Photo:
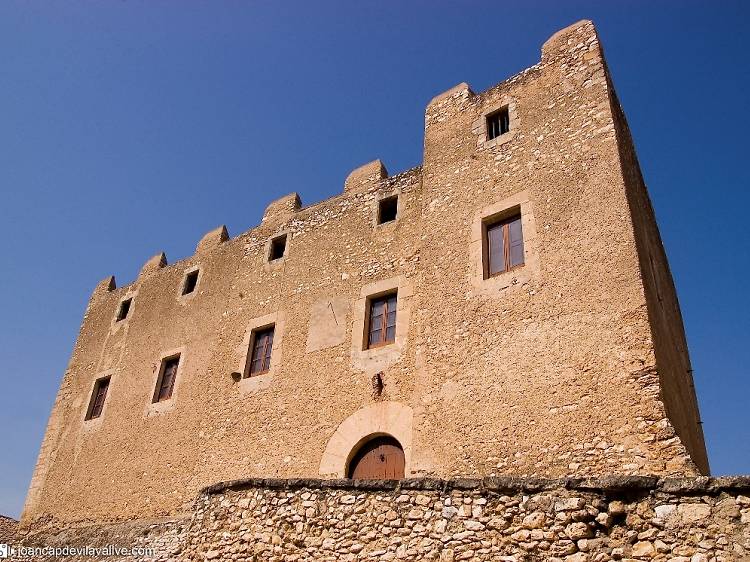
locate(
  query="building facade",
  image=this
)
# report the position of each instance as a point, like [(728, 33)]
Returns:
[(506, 308)]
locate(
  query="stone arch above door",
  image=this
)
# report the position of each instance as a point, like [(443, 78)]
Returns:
[(382, 418)]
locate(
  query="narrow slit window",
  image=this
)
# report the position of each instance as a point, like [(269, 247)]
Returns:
[(98, 396), (124, 309), (387, 209), (260, 352), (191, 281), (503, 246), (381, 326), (167, 376), (498, 123), (278, 247)]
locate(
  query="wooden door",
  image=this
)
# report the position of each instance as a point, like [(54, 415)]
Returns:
[(381, 458)]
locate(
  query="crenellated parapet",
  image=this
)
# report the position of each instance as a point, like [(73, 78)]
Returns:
[(282, 209), (154, 264), (370, 176), (560, 44), (212, 239), (364, 177)]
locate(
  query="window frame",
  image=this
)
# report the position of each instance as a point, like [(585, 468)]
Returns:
[(91, 413), (390, 200), (123, 309), (274, 243), (369, 305), (502, 116), (267, 354), (193, 274), (503, 221), (160, 379)]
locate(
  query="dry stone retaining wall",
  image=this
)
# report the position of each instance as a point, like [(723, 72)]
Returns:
[(499, 519), (7, 528)]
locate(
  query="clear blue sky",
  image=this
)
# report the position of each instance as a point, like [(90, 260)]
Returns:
[(130, 127)]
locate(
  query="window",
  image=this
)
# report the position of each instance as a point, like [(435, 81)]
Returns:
[(260, 347), (122, 312), (498, 123), (191, 280), (387, 209), (167, 376), (278, 247), (503, 245), (96, 404), (381, 325)]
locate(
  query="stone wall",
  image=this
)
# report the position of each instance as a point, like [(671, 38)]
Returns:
[(670, 344), (145, 540), (8, 528), (494, 519)]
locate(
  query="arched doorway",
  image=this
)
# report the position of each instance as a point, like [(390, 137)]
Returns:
[(379, 418), (380, 458)]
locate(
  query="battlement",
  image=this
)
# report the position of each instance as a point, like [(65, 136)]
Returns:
[(373, 174), (280, 211), (503, 309)]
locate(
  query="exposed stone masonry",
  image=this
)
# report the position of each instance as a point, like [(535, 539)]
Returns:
[(7, 528), (493, 519)]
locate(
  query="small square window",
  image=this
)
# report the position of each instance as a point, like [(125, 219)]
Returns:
[(278, 247), (166, 380), (124, 310), (261, 345), (503, 245), (191, 280), (381, 320), (387, 209), (498, 123), (98, 396)]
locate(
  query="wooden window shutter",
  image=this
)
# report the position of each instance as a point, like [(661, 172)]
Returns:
[(167, 379), (503, 246), (382, 321), (98, 396), (260, 356), (515, 243), (390, 319), (495, 249)]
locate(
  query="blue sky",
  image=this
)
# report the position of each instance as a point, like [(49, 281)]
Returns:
[(130, 127)]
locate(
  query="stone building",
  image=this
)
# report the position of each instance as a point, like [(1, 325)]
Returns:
[(503, 309)]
